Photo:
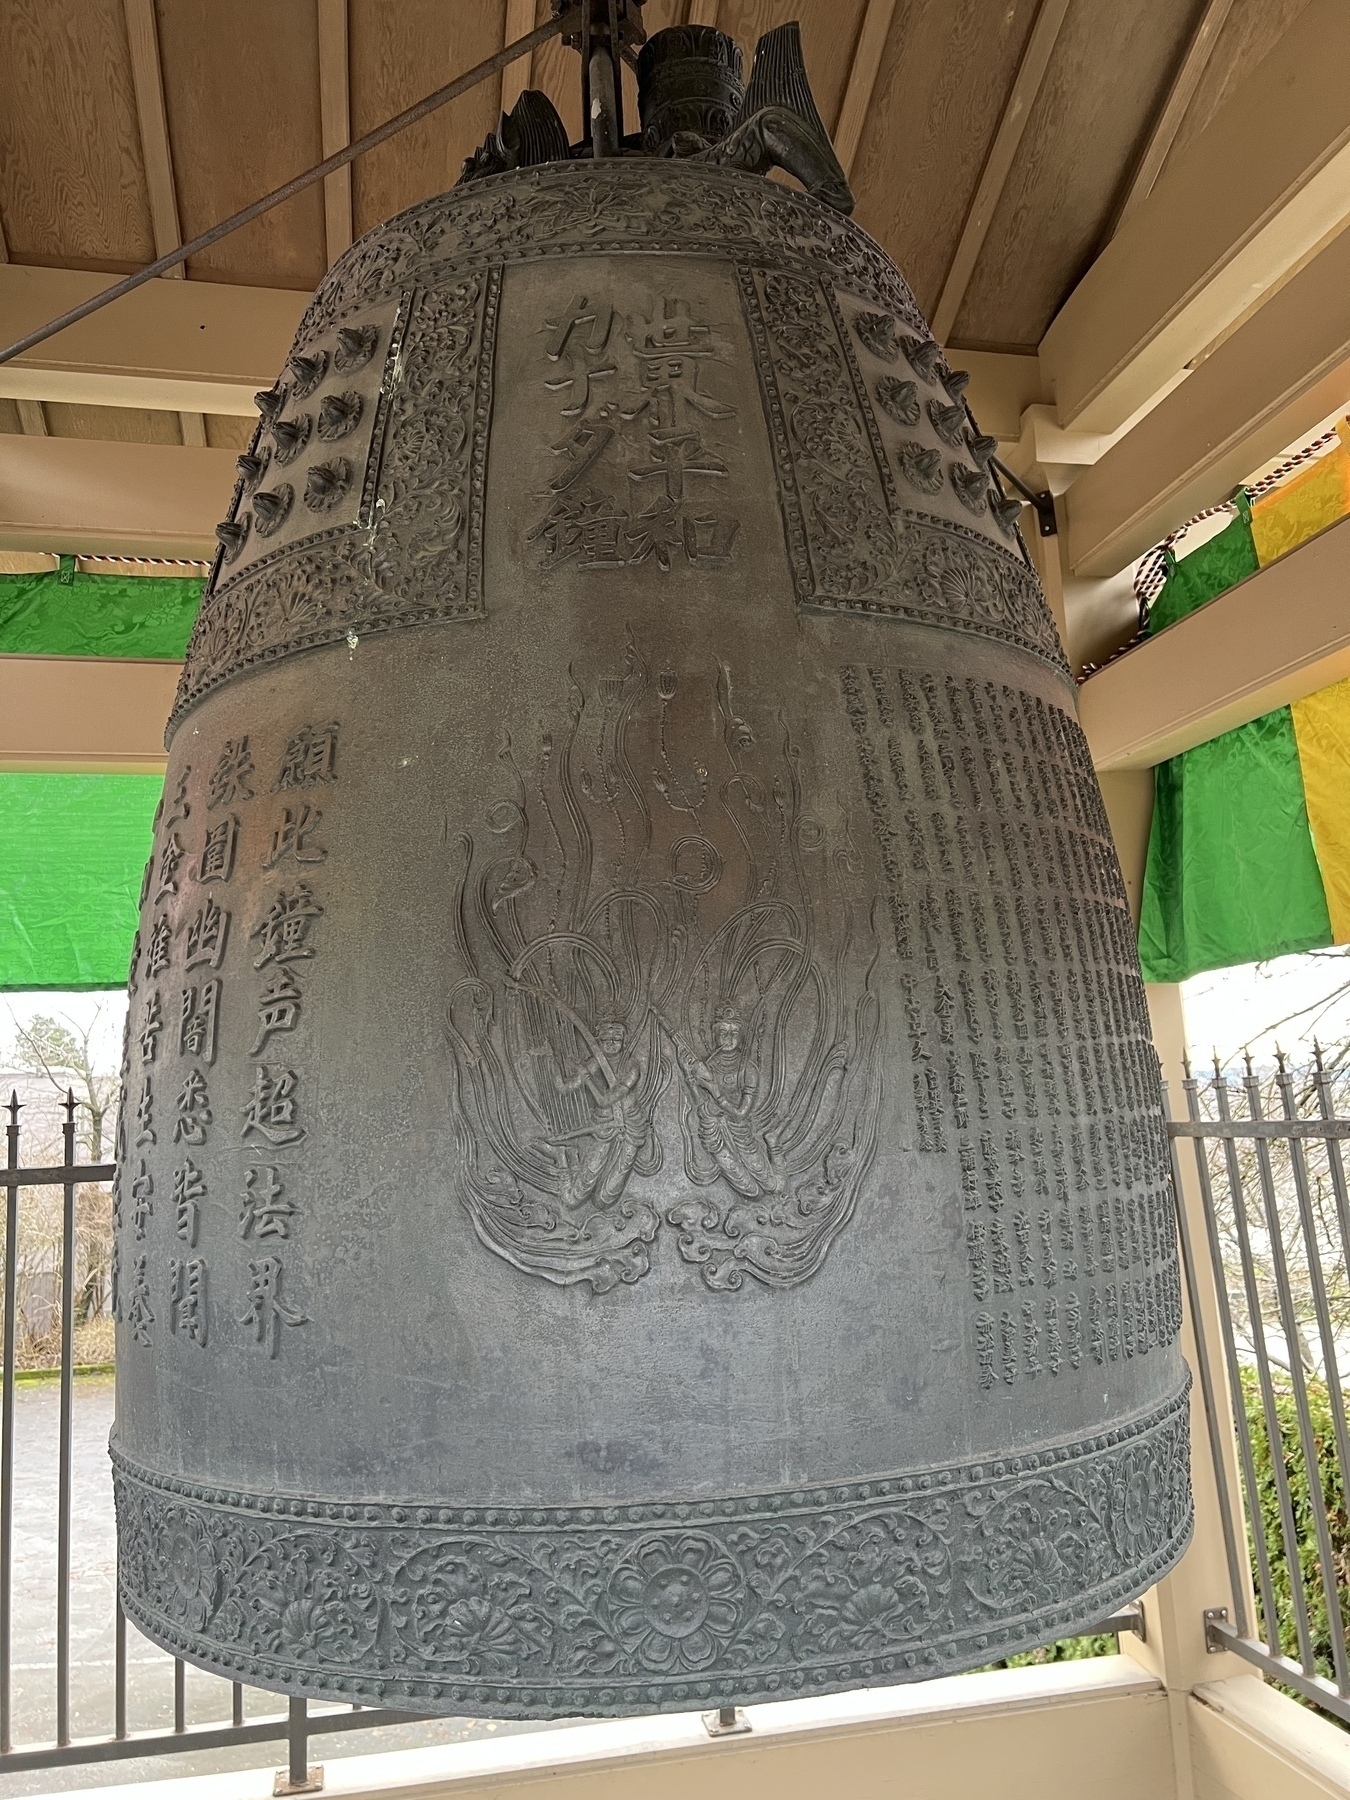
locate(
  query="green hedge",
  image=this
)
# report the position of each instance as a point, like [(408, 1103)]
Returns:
[(1310, 1568), (1333, 1494)]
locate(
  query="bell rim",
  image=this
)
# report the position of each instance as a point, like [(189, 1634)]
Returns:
[(211, 1525)]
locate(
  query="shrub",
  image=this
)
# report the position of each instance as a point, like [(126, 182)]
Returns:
[(1309, 1571)]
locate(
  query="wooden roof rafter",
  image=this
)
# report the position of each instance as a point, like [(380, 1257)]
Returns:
[(32, 419), (516, 76), (998, 164), (862, 79), (1163, 135), (336, 118), (174, 257), (148, 76), (1207, 248)]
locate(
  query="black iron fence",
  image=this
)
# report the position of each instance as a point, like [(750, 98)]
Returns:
[(296, 1724), (1268, 1155), (1276, 1222)]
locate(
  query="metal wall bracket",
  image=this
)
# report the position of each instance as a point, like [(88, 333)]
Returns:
[(1043, 503), (727, 1721), (1215, 1641), (1126, 1620)]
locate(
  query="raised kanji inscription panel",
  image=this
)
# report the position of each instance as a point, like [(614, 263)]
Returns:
[(635, 413), (210, 1178), (1029, 1055)]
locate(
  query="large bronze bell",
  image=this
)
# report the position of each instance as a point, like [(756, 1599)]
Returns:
[(642, 1180)]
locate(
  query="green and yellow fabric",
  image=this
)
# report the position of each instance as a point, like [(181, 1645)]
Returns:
[(1249, 854), (72, 847), (68, 612), (1305, 504)]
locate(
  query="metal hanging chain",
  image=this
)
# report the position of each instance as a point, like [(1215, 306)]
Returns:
[(412, 115)]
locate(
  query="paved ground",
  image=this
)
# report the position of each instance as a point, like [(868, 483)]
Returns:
[(150, 1671)]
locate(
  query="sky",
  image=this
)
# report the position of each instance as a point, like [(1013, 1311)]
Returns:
[(1287, 1002), (104, 1012), (1283, 1004)]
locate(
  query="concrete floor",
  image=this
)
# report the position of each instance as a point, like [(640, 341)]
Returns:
[(150, 1671)]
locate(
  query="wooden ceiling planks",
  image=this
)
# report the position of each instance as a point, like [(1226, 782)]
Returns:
[(556, 72), (919, 161), (1110, 68), (72, 182), (398, 54), (242, 86), (113, 424), (131, 425), (225, 431), (829, 36), (1251, 30), (517, 76), (1167, 120), (241, 89)]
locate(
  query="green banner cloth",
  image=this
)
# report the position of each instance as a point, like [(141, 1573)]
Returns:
[(68, 613), (1228, 557), (1232, 876), (72, 849)]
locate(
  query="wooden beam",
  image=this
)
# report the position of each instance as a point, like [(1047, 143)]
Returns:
[(79, 715), (32, 419), (1174, 109), (83, 496), (1276, 378), (1016, 112), (701, 12), (516, 76), (1241, 206), (1247, 1738), (335, 122), (1127, 795), (1002, 386), (196, 346), (148, 78), (862, 78), (1272, 639)]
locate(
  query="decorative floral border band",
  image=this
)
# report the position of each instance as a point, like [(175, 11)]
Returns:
[(550, 1611)]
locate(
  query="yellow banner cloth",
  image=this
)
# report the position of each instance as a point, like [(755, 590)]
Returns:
[(1322, 732), (1304, 505)]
